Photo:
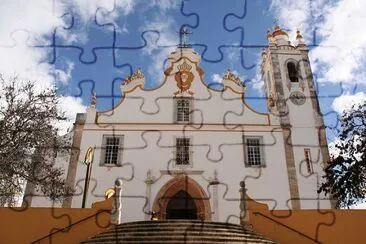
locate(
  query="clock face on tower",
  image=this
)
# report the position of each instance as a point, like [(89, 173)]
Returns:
[(297, 98)]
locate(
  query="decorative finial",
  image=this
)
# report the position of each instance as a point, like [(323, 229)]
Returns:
[(269, 34), (298, 35), (215, 180), (300, 42), (278, 31), (93, 102), (264, 54), (242, 184), (118, 183), (149, 178)]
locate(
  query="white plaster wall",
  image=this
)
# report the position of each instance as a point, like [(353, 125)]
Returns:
[(145, 119), (304, 135), (157, 106), (268, 185)]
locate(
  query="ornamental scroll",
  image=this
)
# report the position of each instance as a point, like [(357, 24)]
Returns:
[(136, 79), (233, 82)]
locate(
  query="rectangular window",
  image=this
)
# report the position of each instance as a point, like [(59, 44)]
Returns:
[(182, 151), (183, 106), (253, 151), (111, 150), (309, 165)]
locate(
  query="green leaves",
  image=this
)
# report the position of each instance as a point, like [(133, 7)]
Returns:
[(345, 175)]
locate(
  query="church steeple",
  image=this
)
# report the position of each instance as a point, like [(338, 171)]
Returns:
[(293, 102), (284, 69)]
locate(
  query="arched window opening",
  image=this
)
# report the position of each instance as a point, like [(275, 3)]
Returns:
[(292, 72)]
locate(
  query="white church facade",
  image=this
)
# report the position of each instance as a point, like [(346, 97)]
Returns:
[(181, 149)]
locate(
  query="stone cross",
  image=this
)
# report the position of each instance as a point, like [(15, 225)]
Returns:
[(183, 34)]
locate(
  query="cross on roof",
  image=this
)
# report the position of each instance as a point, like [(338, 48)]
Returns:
[(183, 36)]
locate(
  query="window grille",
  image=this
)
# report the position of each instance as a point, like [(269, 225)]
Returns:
[(309, 165), (253, 151), (182, 110), (111, 150), (182, 151)]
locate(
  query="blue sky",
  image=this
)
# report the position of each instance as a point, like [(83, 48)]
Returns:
[(213, 35), (83, 46)]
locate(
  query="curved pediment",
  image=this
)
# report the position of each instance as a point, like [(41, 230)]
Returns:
[(183, 79)]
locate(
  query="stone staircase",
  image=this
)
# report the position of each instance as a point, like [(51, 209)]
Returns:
[(178, 231)]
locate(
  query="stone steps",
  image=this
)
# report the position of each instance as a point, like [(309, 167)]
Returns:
[(178, 231), (178, 228), (186, 235)]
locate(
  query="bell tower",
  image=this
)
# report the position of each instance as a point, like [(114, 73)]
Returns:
[(292, 100)]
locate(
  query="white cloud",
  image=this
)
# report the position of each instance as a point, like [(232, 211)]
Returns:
[(257, 82), (345, 102), (26, 23), (166, 26), (233, 53), (164, 5), (74, 106), (216, 78), (292, 15), (341, 30), (340, 56), (64, 75), (22, 24), (113, 8)]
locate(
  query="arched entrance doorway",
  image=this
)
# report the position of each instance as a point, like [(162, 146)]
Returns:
[(181, 206), (182, 198)]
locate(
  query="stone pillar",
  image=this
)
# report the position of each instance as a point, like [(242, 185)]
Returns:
[(244, 213), (215, 197), (75, 151), (28, 195), (149, 181), (116, 214)]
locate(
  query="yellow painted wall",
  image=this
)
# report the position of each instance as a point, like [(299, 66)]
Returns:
[(333, 226), (325, 226), (18, 226)]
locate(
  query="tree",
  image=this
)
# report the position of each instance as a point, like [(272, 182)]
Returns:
[(29, 141), (345, 175)]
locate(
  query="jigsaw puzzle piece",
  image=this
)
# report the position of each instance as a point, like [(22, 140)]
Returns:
[(201, 20)]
